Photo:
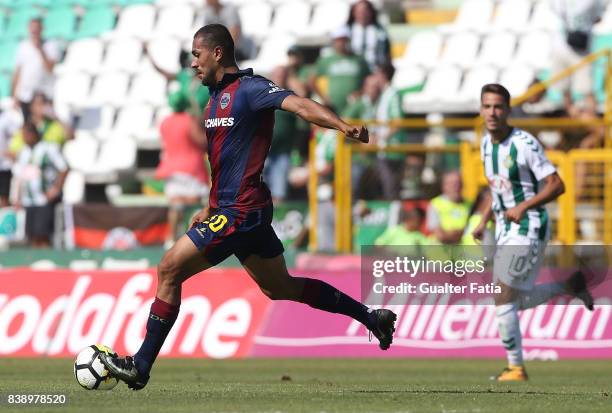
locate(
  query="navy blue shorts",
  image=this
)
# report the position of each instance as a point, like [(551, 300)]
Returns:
[(225, 233)]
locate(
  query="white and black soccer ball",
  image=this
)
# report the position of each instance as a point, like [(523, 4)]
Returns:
[(89, 371)]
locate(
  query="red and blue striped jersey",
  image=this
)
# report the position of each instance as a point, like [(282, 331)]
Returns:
[(238, 121)]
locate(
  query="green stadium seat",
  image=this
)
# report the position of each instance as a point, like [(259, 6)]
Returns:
[(32, 3), (18, 22), (96, 21), (3, 20), (5, 85), (82, 3), (130, 2), (60, 23), (8, 52), (601, 41)]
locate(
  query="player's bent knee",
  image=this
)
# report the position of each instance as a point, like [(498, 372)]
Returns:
[(168, 270)]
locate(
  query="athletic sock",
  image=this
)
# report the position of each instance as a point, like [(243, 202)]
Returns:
[(319, 294), (510, 332), (539, 294), (159, 324)]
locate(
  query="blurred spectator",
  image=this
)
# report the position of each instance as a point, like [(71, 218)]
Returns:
[(447, 214), (183, 147), (324, 164), (10, 121), (50, 129), (344, 71), (227, 15), (34, 64), (390, 165), (368, 38), (189, 84), (572, 43), (299, 72), (40, 171), (482, 201), (363, 108), (408, 232), (277, 165)]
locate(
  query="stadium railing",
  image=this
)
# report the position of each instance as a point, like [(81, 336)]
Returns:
[(591, 205)]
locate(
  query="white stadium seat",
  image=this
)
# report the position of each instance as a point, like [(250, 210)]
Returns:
[(423, 49), (148, 87), (176, 21), (543, 18), (133, 120), (273, 52), (123, 54), (441, 86), (135, 21), (74, 187), (472, 15), (83, 55), (255, 17), (110, 88), (408, 77), (474, 80), (497, 49), (534, 49), (81, 154), (72, 89), (328, 16), (291, 17), (460, 49), (165, 53), (96, 121), (512, 15), (118, 154), (517, 79)]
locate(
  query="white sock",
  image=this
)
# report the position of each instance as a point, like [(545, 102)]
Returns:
[(510, 332), (539, 294)]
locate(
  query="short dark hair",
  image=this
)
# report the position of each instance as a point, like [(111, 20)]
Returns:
[(417, 212), (497, 89), (387, 70), (217, 35)]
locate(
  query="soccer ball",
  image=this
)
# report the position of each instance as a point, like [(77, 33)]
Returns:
[(89, 371)]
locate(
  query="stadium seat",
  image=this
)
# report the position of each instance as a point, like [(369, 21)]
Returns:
[(517, 79), (72, 89), (132, 2), (474, 80), (534, 49), (8, 53), (176, 21), (273, 52), (255, 18), (96, 21), (328, 16), (543, 18), (423, 49), (497, 50), (472, 15), (122, 54), (83, 55), (18, 22), (60, 23), (74, 188), (512, 15), (291, 17), (441, 85), (82, 3), (3, 21), (134, 120), (110, 89), (97, 121), (148, 87), (136, 21), (117, 154), (81, 154), (33, 3), (408, 77), (460, 49), (165, 52)]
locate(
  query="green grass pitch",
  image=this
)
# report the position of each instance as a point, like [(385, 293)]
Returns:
[(323, 385)]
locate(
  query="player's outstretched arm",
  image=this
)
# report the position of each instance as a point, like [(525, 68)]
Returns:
[(313, 112), (552, 189)]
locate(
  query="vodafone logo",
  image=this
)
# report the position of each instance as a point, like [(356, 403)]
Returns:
[(86, 315)]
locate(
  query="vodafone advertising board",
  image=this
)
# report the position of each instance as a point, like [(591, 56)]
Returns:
[(57, 313), (224, 314)]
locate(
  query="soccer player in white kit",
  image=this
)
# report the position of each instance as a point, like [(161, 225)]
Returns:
[(522, 180)]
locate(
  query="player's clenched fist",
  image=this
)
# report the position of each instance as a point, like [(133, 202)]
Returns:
[(359, 134), (200, 216)]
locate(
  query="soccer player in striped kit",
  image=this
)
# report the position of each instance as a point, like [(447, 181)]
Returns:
[(522, 181), (238, 121)]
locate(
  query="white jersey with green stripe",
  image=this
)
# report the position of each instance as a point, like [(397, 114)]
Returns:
[(513, 169)]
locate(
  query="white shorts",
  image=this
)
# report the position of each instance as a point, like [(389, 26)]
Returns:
[(183, 185), (518, 260)]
